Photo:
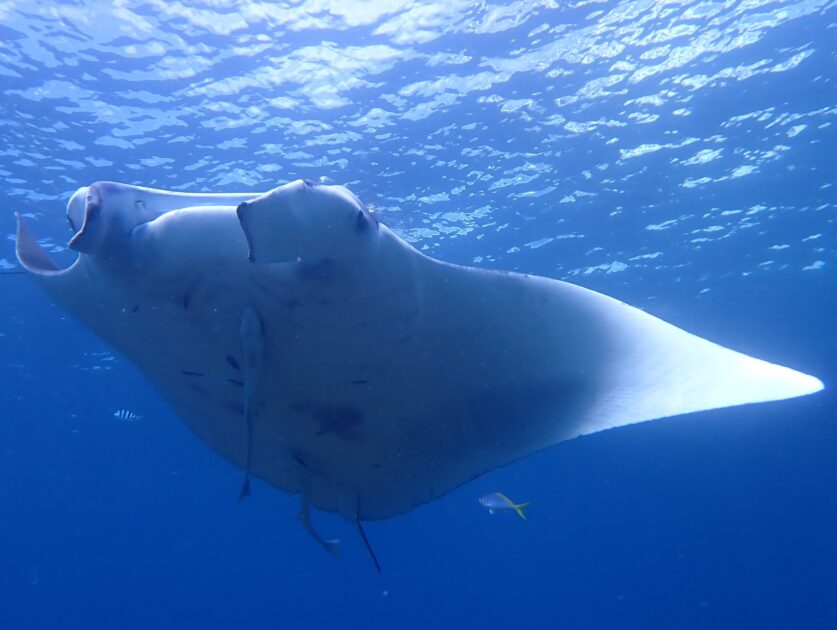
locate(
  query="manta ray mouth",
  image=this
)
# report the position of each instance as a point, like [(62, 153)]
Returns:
[(76, 207), (91, 234)]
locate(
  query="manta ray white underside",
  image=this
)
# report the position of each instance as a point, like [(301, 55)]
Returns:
[(309, 344)]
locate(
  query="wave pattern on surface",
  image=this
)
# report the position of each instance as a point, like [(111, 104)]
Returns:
[(623, 138)]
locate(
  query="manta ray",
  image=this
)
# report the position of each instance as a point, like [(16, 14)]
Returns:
[(314, 348)]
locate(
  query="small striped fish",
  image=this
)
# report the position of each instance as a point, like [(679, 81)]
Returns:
[(126, 415)]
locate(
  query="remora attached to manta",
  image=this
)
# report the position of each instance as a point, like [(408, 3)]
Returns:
[(310, 345)]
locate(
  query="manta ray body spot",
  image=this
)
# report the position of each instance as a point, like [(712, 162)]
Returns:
[(322, 270), (198, 388), (235, 407), (299, 459), (339, 421)]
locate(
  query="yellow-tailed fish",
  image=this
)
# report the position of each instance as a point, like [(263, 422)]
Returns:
[(499, 502)]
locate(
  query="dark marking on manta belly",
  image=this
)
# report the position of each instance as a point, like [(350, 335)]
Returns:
[(190, 373), (235, 382), (360, 381), (531, 407), (231, 360), (275, 289), (135, 309), (186, 300), (341, 421), (198, 389), (302, 462), (394, 318), (322, 270), (235, 407)]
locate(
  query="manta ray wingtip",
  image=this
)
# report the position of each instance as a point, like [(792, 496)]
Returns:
[(813, 384)]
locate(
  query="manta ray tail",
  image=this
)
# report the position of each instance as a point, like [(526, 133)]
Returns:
[(365, 540), (252, 349)]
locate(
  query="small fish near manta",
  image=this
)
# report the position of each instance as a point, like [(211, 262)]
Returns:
[(126, 415), (287, 329), (499, 502)]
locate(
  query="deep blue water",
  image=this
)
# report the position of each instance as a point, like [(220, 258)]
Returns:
[(676, 155)]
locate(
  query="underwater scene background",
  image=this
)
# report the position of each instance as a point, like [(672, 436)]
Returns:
[(676, 155)]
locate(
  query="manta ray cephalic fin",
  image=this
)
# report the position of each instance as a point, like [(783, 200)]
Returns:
[(252, 349)]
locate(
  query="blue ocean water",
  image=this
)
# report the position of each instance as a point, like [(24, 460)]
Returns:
[(677, 155)]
